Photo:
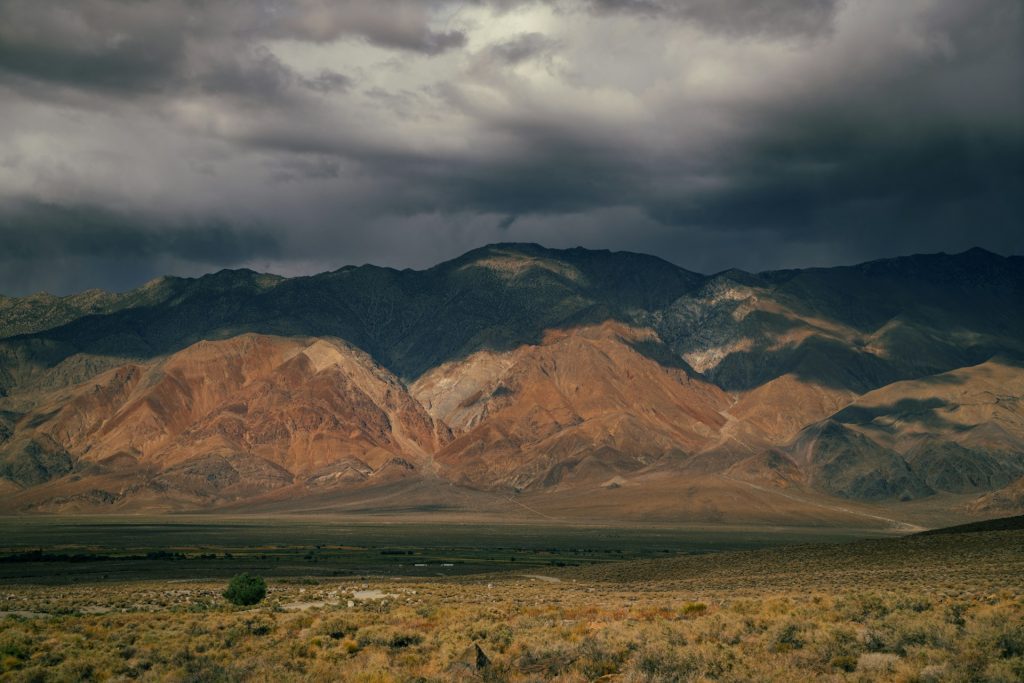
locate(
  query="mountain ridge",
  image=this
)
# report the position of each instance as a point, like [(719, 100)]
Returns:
[(780, 272), (545, 373)]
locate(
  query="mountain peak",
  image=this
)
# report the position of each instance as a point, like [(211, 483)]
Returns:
[(979, 251), (239, 277)]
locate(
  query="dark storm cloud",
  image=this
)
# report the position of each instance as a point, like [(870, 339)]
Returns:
[(734, 17), (36, 230), (712, 132), (301, 168), (160, 45), (823, 186), (928, 150), (328, 81), (924, 150), (62, 244), (248, 71)]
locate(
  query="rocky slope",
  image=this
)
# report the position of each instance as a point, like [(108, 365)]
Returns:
[(223, 420), (572, 378), (584, 404)]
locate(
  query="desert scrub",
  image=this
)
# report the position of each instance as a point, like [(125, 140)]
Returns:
[(548, 660), (788, 636), (660, 662), (690, 610), (16, 646), (991, 647), (500, 637), (245, 589), (862, 607), (337, 627), (836, 648), (388, 637), (776, 627), (602, 656)]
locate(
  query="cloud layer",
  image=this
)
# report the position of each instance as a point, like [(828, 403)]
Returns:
[(176, 136)]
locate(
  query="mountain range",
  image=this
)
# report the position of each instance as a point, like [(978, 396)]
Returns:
[(518, 380)]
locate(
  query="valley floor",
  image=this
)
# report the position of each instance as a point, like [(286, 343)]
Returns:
[(940, 607)]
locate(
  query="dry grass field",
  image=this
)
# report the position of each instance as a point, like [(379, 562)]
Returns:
[(942, 607)]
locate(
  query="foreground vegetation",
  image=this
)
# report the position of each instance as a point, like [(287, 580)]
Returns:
[(927, 608)]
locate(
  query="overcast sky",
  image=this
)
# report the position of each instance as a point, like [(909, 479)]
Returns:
[(182, 136)]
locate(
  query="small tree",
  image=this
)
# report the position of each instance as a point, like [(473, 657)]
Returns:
[(246, 590)]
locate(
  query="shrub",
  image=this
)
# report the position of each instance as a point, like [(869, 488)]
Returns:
[(914, 604), (877, 662), (788, 638), (245, 589), (338, 628), (838, 648), (599, 657), (547, 661), (15, 642), (955, 614), (259, 626), (501, 637), (387, 637), (844, 662), (933, 673), (693, 609), (863, 607), (660, 663), (1009, 641)]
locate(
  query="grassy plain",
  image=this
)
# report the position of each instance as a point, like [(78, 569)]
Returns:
[(942, 607), (123, 548)]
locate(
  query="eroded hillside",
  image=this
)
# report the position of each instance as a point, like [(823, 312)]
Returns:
[(572, 383)]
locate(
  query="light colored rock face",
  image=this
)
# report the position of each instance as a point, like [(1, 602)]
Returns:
[(509, 265), (776, 411), (583, 399), (456, 393)]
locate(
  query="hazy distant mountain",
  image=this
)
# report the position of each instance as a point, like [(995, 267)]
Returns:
[(586, 383)]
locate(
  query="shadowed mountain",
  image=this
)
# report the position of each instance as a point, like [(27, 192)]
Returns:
[(855, 328), (1008, 499), (844, 463), (496, 297), (958, 432)]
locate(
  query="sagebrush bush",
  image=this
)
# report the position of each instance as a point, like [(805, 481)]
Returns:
[(693, 609), (246, 589)]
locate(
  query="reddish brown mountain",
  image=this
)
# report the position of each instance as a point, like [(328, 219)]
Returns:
[(564, 384), (585, 403), (223, 420)]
